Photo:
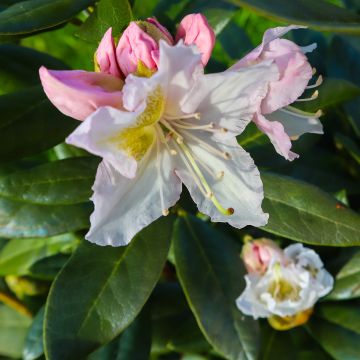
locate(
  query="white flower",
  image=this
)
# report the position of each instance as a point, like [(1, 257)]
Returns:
[(178, 126), (286, 289)]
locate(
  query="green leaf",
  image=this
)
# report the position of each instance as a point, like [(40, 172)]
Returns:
[(346, 315), (318, 15), (33, 348), (19, 66), (347, 282), (103, 288), (211, 273), (18, 255), (13, 329), (34, 15), (63, 182), (108, 13), (133, 343), (49, 267), (339, 342), (304, 213), (29, 124), (344, 142)]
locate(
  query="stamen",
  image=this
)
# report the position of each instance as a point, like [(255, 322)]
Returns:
[(301, 114), (312, 97), (164, 140), (202, 179), (208, 147), (313, 71), (183, 125), (172, 130), (317, 83), (196, 116)]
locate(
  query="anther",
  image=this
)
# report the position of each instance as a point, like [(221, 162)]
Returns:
[(319, 113), (173, 152), (317, 83), (226, 155), (180, 140), (165, 212), (220, 175), (224, 130), (313, 71), (312, 97), (230, 211), (197, 116)]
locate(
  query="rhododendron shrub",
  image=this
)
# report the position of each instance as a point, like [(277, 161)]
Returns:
[(178, 180)]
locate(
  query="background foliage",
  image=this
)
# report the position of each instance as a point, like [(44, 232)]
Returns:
[(170, 293)]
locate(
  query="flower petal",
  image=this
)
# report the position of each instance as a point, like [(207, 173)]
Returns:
[(79, 93), (195, 29), (106, 57), (230, 99), (162, 28), (277, 135), (123, 207), (235, 182), (98, 135)]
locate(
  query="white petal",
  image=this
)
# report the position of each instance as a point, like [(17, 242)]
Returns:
[(125, 206), (240, 187), (230, 99), (95, 134), (294, 124)]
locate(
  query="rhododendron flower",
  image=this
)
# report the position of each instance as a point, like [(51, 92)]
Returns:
[(177, 126), (287, 287), (139, 44), (279, 121), (258, 254)]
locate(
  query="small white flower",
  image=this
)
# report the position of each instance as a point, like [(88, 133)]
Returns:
[(286, 288)]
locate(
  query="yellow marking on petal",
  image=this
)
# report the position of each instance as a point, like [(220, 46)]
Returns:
[(136, 140), (289, 322), (96, 64), (143, 71)]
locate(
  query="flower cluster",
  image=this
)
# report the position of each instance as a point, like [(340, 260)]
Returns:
[(158, 121), (282, 283)]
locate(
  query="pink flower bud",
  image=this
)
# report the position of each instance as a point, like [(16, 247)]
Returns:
[(258, 254), (195, 29)]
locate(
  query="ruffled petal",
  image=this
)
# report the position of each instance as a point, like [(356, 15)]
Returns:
[(79, 93), (230, 99), (277, 135), (106, 56), (99, 134), (123, 207), (235, 182), (195, 29)]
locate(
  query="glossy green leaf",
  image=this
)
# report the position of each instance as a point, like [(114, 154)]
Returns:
[(108, 13), (29, 124), (347, 281), (19, 66), (346, 314), (47, 268), (33, 347), (133, 343), (340, 343), (103, 288), (18, 255), (211, 273), (318, 14), (13, 330), (305, 213), (34, 15), (63, 182)]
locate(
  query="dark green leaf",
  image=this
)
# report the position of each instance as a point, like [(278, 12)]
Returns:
[(347, 282), (344, 142), (318, 14), (339, 342), (29, 124), (48, 268), (33, 15), (18, 255), (63, 182), (304, 213), (108, 13), (19, 66), (13, 330), (346, 315), (103, 288), (33, 348), (211, 273)]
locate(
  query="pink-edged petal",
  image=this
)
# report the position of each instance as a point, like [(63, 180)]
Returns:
[(234, 181), (106, 56), (79, 93), (123, 207), (295, 72), (98, 135), (230, 99), (195, 29), (162, 28), (136, 45), (277, 135)]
